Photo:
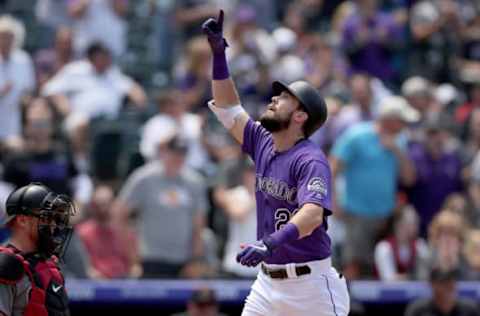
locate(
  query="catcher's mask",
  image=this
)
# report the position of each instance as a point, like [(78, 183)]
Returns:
[(53, 211)]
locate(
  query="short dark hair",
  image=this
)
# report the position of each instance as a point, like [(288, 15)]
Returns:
[(438, 274), (96, 48), (177, 144), (204, 296)]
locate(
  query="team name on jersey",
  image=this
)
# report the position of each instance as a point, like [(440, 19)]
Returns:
[(277, 189)]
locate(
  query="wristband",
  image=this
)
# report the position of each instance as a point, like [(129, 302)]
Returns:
[(220, 67), (286, 234)]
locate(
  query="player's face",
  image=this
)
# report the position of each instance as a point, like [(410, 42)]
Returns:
[(278, 115)]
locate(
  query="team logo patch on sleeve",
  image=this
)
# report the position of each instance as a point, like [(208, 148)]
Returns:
[(317, 185)]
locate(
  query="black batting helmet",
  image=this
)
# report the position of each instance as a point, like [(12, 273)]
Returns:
[(309, 98)]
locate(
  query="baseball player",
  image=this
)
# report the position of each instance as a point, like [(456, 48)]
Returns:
[(31, 283), (293, 193)]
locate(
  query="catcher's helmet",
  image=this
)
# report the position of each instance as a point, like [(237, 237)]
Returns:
[(310, 99), (53, 209), (27, 200)]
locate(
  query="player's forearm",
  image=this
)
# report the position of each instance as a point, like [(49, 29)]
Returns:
[(302, 224), (307, 219), (224, 93)]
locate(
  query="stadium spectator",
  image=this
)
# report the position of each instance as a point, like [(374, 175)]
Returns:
[(399, 256), (99, 21), (49, 61), (294, 20), (361, 107), (189, 14), (76, 261), (458, 203), (16, 79), (172, 119), (289, 66), (463, 112), (171, 203), (95, 86), (239, 205), (445, 238), (91, 88), (419, 93), (365, 154), (203, 302), (435, 27), (112, 251), (45, 159), (326, 69), (225, 173), (366, 94), (193, 80), (471, 252), (438, 168), (444, 300), (53, 14), (251, 52), (474, 193), (327, 135), (470, 142), (370, 39), (468, 57)]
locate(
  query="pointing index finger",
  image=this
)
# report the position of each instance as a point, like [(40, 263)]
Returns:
[(220, 18)]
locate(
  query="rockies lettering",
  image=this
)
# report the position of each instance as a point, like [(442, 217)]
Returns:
[(277, 189)]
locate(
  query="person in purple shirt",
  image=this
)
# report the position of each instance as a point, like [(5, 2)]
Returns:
[(370, 39), (293, 194), (438, 168)]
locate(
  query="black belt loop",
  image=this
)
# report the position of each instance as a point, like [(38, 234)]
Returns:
[(282, 273)]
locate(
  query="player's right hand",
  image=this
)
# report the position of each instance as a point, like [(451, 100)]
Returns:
[(253, 254), (213, 28)]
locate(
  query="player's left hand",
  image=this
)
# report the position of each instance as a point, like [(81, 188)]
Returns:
[(253, 254), (213, 28)]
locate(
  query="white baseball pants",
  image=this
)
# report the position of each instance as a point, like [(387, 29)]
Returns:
[(323, 292)]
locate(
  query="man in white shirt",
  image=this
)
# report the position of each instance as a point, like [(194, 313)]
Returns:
[(16, 77), (93, 86)]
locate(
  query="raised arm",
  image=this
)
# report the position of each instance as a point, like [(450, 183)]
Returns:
[(226, 105)]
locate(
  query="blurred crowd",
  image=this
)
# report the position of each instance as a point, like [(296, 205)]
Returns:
[(105, 100)]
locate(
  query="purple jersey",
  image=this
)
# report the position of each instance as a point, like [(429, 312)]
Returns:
[(285, 181)]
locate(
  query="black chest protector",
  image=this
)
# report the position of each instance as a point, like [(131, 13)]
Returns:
[(48, 296)]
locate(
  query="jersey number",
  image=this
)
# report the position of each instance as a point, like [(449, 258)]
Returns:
[(282, 217)]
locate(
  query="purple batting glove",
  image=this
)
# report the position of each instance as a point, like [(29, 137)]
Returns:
[(254, 253), (213, 28)]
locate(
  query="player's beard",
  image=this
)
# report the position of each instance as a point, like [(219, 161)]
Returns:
[(274, 124)]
